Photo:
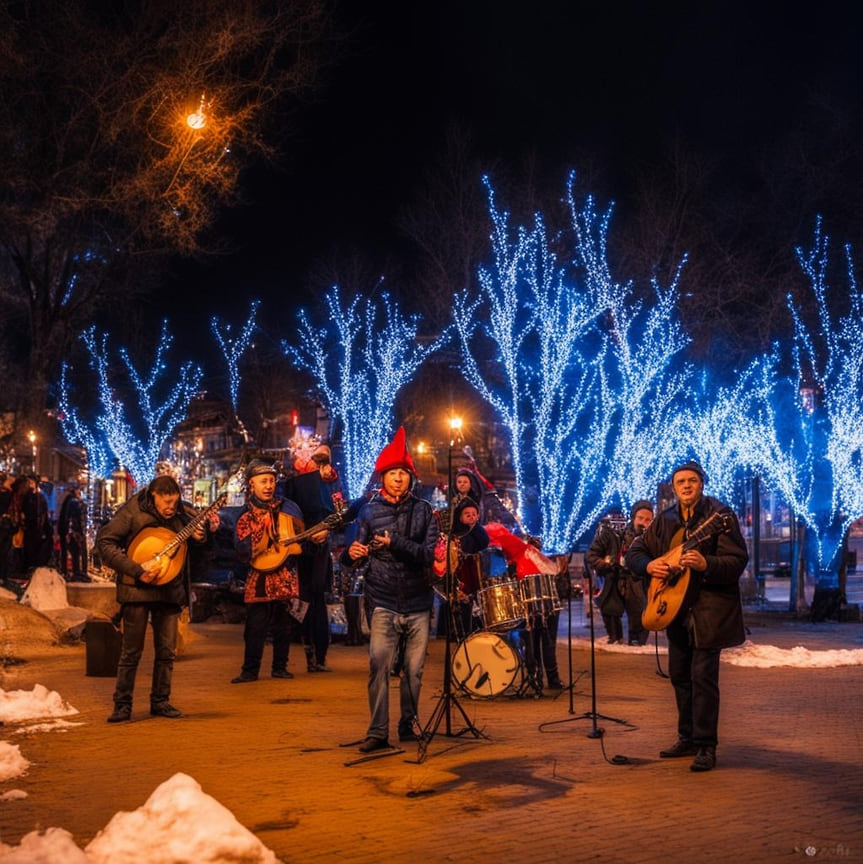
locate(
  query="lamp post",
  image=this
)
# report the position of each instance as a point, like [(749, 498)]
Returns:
[(454, 437), (31, 435)]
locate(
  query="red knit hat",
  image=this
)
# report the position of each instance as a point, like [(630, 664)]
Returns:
[(395, 455)]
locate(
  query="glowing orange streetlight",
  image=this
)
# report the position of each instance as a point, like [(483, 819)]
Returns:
[(198, 119)]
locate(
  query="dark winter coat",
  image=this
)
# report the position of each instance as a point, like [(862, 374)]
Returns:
[(116, 536), (603, 557), (397, 577), (716, 613)]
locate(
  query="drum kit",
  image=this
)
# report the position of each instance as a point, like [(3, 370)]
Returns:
[(485, 664)]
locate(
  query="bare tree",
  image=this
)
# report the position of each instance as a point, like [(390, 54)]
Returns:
[(449, 227), (123, 131)]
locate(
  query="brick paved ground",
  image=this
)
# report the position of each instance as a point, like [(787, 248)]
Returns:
[(537, 789)]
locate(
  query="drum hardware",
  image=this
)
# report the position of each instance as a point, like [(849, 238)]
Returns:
[(502, 606), (443, 708), (539, 596)]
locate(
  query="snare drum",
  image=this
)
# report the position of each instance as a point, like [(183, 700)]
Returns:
[(539, 595), (484, 665), (501, 605)]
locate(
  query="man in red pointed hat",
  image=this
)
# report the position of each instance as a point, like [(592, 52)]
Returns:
[(396, 539)]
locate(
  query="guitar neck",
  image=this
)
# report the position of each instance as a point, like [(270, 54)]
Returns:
[(325, 525), (304, 535), (190, 527)]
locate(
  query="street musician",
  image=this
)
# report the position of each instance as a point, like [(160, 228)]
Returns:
[(466, 540)]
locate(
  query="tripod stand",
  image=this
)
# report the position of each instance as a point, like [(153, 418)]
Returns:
[(592, 715), (443, 710)]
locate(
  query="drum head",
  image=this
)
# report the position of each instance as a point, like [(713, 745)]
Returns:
[(484, 665)]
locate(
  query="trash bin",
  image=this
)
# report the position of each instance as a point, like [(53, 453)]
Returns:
[(103, 642)]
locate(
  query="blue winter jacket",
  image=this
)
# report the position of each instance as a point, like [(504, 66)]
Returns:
[(397, 577)]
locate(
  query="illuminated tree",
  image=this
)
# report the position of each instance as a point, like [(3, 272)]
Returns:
[(810, 424), (123, 132), (154, 405), (581, 374), (360, 358), (233, 348)]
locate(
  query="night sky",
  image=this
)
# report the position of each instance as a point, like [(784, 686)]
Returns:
[(616, 80)]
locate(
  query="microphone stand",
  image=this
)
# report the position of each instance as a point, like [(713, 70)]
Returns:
[(443, 709), (592, 715)]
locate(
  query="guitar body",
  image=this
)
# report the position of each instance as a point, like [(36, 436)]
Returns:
[(150, 543), (665, 597), (167, 548), (272, 556)]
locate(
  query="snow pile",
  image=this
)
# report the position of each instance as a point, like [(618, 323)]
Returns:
[(767, 657), (179, 824), (12, 763), (18, 705), (748, 654)]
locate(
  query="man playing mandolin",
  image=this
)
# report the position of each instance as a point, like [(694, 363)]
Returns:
[(149, 585), (694, 545), (267, 536)]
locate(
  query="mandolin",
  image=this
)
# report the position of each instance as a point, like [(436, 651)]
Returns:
[(287, 542), (167, 547), (666, 597)]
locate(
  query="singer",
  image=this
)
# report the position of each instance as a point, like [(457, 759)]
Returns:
[(396, 538)]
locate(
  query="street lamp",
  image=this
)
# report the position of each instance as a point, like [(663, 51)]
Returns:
[(454, 437), (196, 122), (198, 119), (31, 435), (454, 430)]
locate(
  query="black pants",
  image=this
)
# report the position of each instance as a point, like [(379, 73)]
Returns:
[(694, 673), (542, 654), (353, 611), (261, 619), (164, 618), (316, 628), (73, 546)]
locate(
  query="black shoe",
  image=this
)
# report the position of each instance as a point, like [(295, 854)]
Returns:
[(406, 731), (279, 673), (121, 714), (705, 759), (165, 709), (243, 679), (556, 684), (322, 667), (681, 747), (372, 744)]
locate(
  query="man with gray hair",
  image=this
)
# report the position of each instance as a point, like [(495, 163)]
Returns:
[(710, 617)]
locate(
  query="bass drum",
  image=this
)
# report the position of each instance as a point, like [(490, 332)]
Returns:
[(484, 665)]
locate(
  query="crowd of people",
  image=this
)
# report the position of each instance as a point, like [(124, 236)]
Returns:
[(28, 536), (399, 561)]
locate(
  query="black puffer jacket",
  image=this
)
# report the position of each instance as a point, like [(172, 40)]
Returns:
[(717, 614), (114, 539), (397, 577)]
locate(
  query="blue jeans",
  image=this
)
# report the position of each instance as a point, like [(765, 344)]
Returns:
[(164, 618), (385, 630)]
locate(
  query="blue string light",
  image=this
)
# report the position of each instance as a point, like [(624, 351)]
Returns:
[(111, 430), (360, 359), (233, 348)]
